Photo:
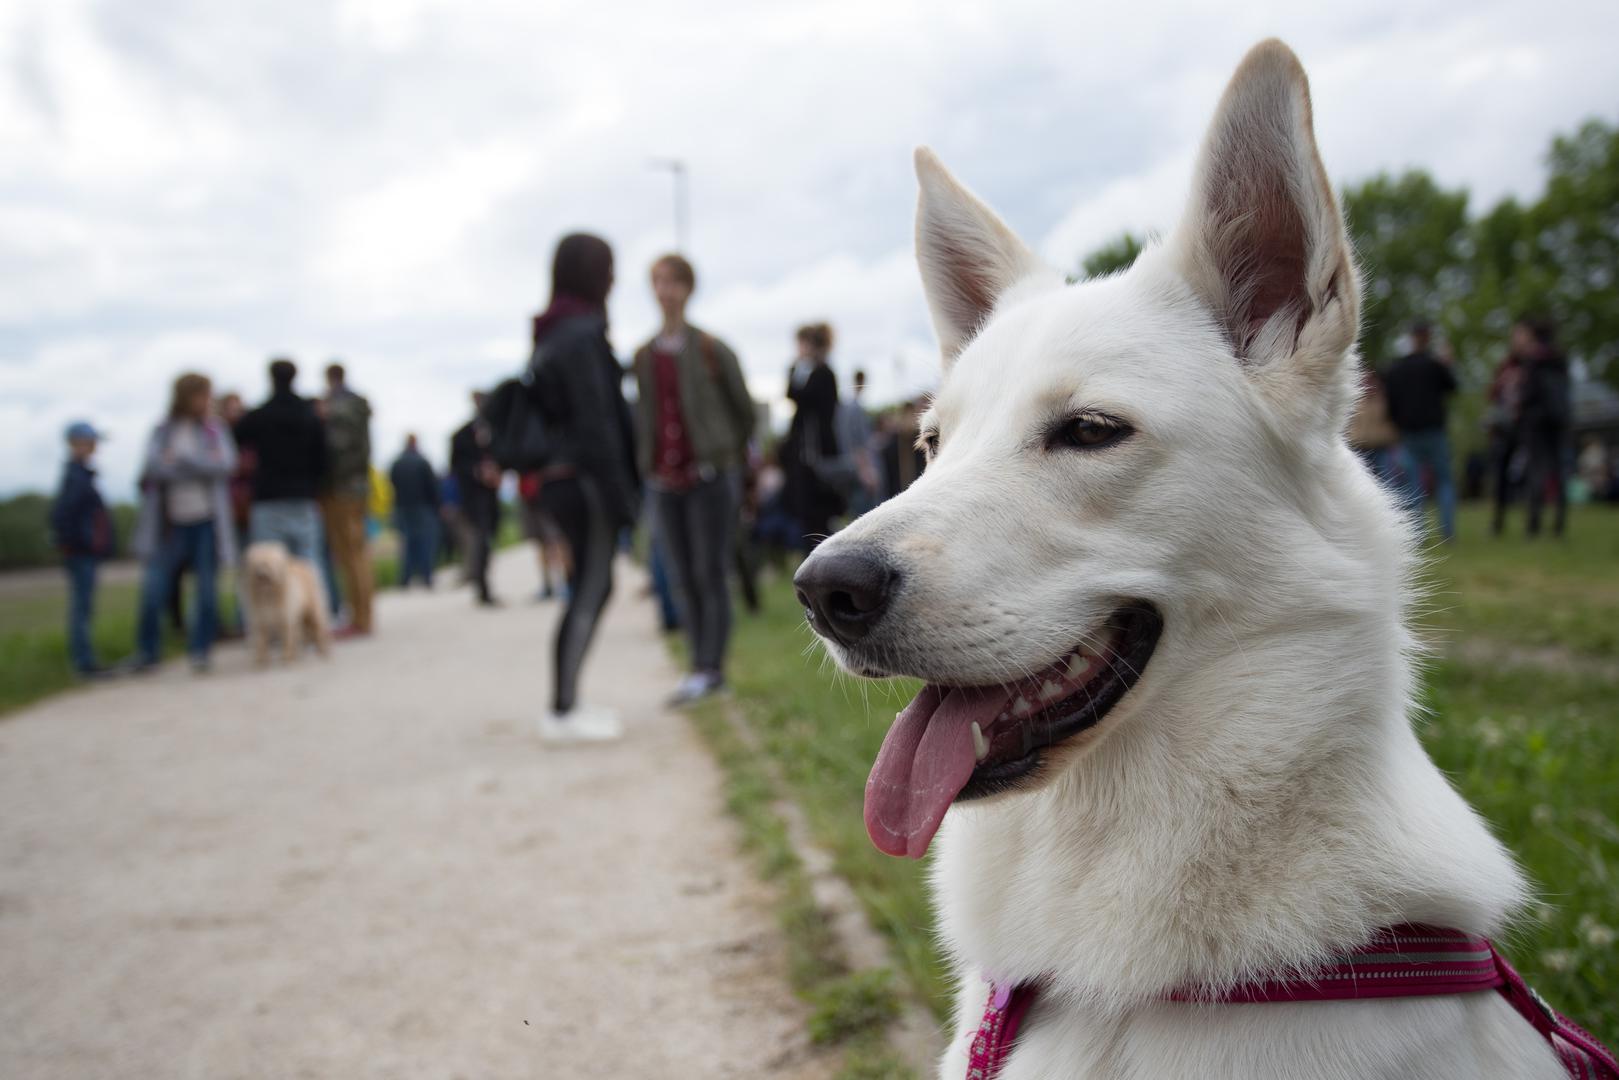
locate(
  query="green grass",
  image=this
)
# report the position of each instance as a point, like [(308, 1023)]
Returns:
[(823, 737), (848, 1010), (1537, 752), (1537, 593), (33, 638)]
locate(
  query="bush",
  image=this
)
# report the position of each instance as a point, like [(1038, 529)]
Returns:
[(25, 531)]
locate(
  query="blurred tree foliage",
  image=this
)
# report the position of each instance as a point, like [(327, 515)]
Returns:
[(25, 531), (1423, 255), (1113, 257)]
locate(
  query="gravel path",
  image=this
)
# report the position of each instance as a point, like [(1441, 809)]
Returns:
[(368, 867)]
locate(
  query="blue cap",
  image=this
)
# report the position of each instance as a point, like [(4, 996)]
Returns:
[(81, 429)]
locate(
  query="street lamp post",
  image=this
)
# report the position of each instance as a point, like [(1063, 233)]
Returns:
[(677, 169)]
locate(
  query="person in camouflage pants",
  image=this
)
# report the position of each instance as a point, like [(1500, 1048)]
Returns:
[(343, 505)]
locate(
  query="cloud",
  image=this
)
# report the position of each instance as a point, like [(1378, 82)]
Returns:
[(382, 180), (119, 384)]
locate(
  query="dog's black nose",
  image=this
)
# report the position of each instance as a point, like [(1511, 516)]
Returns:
[(845, 593)]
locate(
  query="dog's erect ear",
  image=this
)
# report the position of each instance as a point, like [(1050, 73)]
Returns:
[(1262, 241), (968, 255)]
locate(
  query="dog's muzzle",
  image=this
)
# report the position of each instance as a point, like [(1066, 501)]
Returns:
[(846, 593)]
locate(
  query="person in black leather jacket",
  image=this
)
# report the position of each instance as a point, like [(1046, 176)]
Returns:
[(591, 488)]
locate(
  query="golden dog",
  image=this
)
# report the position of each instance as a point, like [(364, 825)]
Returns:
[(284, 598)]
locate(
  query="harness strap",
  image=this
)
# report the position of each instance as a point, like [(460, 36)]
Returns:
[(1401, 961), (1003, 1015)]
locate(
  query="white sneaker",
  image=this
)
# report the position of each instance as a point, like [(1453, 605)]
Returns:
[(695, 687), (585, 723)]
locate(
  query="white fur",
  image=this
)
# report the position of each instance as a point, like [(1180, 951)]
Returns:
[(1258, 801)]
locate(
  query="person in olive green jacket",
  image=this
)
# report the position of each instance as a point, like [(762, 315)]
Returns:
[(694, 418), (344, 503)]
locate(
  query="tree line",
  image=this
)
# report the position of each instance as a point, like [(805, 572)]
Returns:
[(1424, 255)]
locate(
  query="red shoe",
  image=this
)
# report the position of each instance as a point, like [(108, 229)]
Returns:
[(344, 633)]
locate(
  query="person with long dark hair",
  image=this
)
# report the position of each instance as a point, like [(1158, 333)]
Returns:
[(591, 489), (810, 451)]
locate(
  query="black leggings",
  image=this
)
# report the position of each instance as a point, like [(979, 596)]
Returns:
[(576, 506)]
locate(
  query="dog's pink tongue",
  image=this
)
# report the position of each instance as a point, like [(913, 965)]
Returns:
[(927, 758)]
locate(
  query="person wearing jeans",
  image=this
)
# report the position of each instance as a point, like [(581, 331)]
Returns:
[(185, 518), (416, 511), (293, 522), (289, 448), (1418, 385), (694, 418), (1427, 453), (192, 545), (81, 529)]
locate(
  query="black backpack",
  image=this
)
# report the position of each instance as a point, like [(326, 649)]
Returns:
[(520, 440)]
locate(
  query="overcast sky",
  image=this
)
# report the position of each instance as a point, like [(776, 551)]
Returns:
[(194, 184)]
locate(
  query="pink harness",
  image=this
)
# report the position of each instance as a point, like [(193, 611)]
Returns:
[(1402, 961)]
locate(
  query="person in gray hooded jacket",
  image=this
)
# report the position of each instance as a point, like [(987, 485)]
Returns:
[(185, 517)]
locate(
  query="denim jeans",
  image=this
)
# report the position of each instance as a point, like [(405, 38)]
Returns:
[(662, 587), (1430, 450), (418, 529), (197, 546), (294, 522), (81, 579)]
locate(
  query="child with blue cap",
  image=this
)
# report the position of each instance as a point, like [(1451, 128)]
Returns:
[(81, 529)]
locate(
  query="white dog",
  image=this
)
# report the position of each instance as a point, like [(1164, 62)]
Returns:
[(284, 600), (1161, 609)]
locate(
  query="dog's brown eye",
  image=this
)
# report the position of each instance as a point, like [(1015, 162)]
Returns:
[(1090, 433), (930, 443)]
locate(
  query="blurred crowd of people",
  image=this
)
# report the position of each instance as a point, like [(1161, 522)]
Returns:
[(683, 454), (672, 442), (1402, 429), (215, 477), (687, 456)]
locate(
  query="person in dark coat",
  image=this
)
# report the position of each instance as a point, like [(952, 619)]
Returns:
[(1503, 423), (288, 444), (811, 444), (1545, 413), (592, 488), (477, 484), (1419, 386), (81, 529), (416, 510)]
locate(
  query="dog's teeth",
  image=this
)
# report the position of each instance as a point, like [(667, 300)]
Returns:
[(1078, 666), (980, 744), (1020, 707), (1051, 691)]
